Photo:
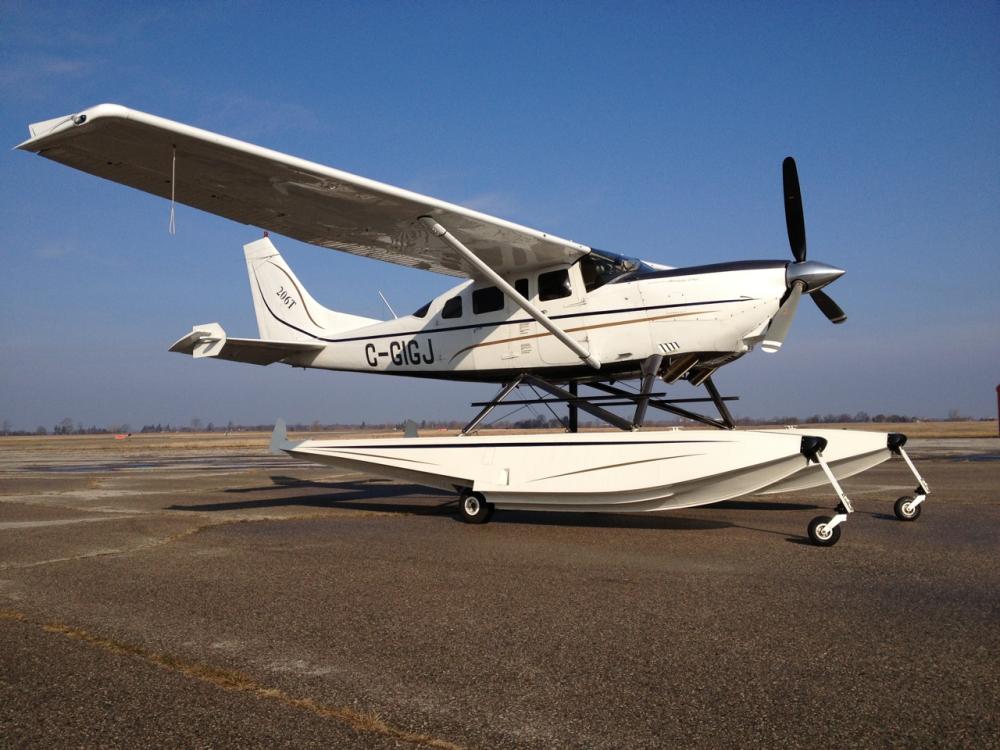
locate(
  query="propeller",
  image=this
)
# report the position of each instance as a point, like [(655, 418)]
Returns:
[(782, 319), (828, 307), (794, 219), (802, 276)]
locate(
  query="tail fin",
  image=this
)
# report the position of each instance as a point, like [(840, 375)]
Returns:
[(285, 310), (279, 437)]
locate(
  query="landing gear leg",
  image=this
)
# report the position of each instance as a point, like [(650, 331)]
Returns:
[(907, 508), (824, 531)]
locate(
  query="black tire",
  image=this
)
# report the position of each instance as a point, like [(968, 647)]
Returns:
[(822, 536), (473, 508), (906, 512)]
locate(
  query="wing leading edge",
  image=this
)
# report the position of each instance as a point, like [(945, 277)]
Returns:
[(287, 195)]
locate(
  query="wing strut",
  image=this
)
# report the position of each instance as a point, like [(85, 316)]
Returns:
[(510, 291)]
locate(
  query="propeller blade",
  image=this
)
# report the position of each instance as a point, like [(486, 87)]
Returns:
[(794, 219), (828, 307), (782, 320)]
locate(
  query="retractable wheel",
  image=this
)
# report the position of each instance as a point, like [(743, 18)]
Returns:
[(821, 533), (474, 508), (905, 510)]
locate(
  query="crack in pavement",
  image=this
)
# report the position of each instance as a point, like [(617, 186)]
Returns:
[(182, 534), (236, 682)]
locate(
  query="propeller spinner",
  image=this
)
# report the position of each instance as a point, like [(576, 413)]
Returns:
[(801, 276)]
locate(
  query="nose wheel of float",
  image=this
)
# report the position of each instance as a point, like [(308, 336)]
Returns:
[(907, 508), (824, 531)]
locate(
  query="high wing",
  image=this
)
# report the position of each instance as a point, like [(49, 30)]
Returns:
[(287, 195)]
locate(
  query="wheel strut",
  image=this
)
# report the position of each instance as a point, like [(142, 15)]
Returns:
[(824, 531), (908, 508)]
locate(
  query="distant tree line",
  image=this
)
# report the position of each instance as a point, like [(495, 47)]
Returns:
[(859, 417), (68, 426)]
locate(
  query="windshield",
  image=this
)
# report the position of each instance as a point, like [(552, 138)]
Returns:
[(599, 268)]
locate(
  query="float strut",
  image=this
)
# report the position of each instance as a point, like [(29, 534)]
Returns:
[(720, 403), (650, 369), (574, 410), (561, 393), (497, 400)]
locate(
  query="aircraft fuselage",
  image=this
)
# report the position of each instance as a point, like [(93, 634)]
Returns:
[(472, 333)]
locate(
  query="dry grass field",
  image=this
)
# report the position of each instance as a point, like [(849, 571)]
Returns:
[(933, 430), (251, 442)]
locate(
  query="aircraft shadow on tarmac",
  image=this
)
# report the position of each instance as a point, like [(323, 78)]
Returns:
[(388, 497), (339, 495)]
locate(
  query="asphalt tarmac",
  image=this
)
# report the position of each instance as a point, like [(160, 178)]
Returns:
[(226, 598)]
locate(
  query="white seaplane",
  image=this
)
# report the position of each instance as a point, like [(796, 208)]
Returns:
[(534, 310)]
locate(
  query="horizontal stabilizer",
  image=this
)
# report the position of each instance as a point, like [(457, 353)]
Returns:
[(210, 340)]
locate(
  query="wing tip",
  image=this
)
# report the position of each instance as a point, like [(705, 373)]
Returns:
[(42, 131)]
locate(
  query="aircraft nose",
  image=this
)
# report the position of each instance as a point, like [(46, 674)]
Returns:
[(813, 274)]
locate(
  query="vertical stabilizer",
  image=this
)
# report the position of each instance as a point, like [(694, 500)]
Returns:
[(285, 310), (279, 436)]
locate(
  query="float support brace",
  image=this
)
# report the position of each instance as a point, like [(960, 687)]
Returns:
[(497, 400), (650, 369), (610, 417), (574, 410)]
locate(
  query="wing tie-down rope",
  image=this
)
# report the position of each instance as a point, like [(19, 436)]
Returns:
[(172, 226)]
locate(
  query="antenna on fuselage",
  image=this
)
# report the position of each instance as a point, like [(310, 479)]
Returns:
[(387, 304)]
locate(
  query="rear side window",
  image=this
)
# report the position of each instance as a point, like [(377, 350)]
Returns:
[(452, 308), (554, 285), (422, 311), (521, 286), (485, 300)]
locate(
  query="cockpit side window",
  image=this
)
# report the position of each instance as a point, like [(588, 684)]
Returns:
[(554, 285), (488, 299), (521, 287), (599, 268), (452, 308)]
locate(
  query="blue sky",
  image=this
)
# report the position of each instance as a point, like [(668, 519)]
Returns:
[(653, 129)]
